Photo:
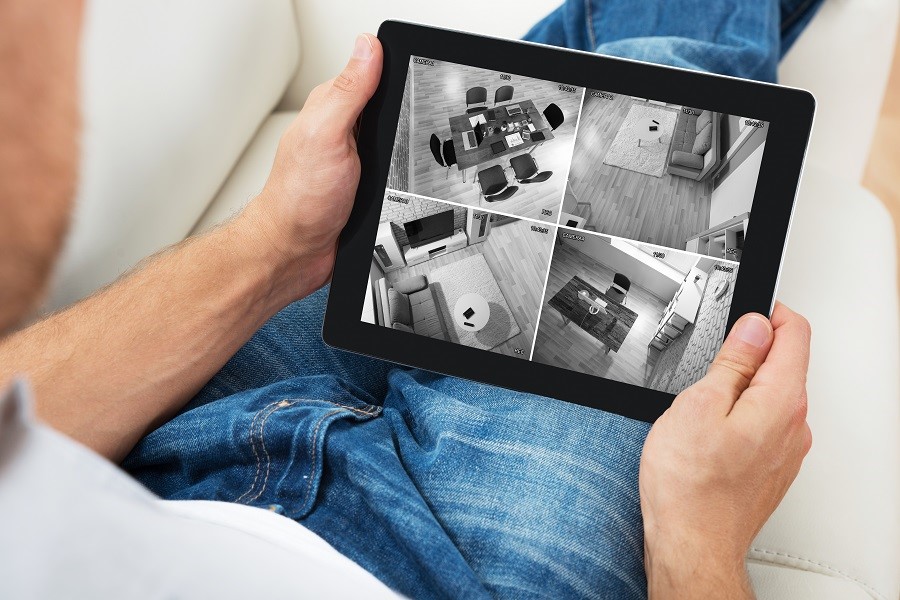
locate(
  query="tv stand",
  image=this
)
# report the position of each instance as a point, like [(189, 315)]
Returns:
[(436, 248)]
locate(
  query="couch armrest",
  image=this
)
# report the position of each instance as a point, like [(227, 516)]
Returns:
[(413, 284), (841, 518), (686, 159)]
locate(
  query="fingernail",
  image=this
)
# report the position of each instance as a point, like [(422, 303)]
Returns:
[(363, 48), (754, 331)]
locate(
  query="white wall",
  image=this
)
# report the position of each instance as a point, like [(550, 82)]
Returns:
[(642, 269), (735, 196), (368, 311)]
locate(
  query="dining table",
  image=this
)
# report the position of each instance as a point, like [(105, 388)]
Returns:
[(506, 131), (588, 308)]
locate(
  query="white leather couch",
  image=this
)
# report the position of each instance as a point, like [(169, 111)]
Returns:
[(185, 102)]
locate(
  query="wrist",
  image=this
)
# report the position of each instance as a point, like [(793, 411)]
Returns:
[(274, 270), (688, 567)]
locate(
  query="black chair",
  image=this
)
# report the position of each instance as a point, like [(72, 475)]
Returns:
[(554, 116), (444, 154), (436, 149), (526, 169), (494, 186), (476, 95), (449, 155), (618, 291), (503, 94)]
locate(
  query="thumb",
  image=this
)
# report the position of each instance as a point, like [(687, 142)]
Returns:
[(744, 351), (348, 93)]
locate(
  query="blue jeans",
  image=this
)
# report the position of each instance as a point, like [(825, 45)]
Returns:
[(442, 487)]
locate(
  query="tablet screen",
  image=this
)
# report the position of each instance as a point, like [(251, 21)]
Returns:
[(584, 229)]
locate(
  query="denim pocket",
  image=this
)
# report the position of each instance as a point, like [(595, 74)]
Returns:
[(287, 441), (260, 447)]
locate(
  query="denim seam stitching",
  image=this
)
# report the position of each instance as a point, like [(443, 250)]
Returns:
[(369, 412), (252, 440), (590, 24), (262, 441), (312, 453), (829, 569)]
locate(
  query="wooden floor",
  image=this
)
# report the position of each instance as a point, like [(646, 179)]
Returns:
[(439, 92), (665, 210), (518, 259), (570, 347), (883, 171)]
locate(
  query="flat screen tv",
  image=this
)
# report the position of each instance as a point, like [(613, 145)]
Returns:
[(429, 229)]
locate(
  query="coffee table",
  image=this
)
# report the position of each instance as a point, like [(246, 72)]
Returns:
[(472, 312), (643, 133)]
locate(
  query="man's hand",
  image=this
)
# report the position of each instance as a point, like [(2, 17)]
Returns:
[(112, 368), (719, 461), (308, 196)]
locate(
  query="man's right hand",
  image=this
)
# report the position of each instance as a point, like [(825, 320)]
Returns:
[(718, 462)]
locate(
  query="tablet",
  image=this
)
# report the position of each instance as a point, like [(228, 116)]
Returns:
[(562, 223)]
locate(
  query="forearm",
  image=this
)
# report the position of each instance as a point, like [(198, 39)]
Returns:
[(38, 145), (115, 366)]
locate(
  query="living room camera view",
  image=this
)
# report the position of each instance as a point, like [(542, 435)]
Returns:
[(632, 312), (666, 174), (458, 274), (482, 138)]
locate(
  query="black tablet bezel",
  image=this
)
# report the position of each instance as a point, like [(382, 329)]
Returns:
[(790, 114)]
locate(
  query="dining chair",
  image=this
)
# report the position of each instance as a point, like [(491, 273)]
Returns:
[(618, 291), (476, 95), (435, 143), (526, 169), (494, 185), (503, 94), (449, 155), (444, 153), (554, 116)]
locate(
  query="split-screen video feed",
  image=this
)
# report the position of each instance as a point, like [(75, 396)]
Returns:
[(587, 230)]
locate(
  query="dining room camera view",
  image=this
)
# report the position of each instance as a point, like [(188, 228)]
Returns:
[(666, 174), (482, 138)]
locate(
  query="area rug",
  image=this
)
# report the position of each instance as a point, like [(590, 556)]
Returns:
[(650, 157), (473, 275)]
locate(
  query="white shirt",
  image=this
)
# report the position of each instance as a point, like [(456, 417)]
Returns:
[(73, 525)]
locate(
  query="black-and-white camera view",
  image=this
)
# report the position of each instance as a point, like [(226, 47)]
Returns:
[(458, 273), (666, 174), (481, 138)]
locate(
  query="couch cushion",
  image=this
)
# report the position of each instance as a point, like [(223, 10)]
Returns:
[(841, 516), (399, 308), (421, 296), (431, 327), (703, 120), (687, 159), (413, 284), (424, 309), (169, 104), (703, 141)]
